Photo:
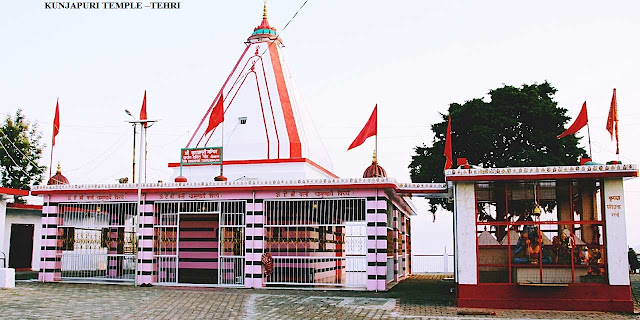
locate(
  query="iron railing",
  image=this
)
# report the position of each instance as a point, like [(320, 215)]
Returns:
[(431, 263)]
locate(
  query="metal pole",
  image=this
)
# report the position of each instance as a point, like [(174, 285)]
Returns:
[(134, 154), (142, 130), (589, 135)]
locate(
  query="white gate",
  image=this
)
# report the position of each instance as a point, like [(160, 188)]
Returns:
[(356, 253), (228, 217), (231, 260), (166, 248), (98, 241)]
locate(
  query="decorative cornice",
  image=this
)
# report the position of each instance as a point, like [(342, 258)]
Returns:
[(616, 170), (250, 183)]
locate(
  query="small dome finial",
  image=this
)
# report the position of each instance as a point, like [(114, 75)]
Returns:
[(58, 171), (375, 157), (264, 10)]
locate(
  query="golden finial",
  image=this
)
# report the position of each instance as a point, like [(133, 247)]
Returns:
[(58, 167), (375, 157), (264, 10)]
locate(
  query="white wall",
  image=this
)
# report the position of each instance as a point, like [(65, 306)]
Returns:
[(616, 232), (27, 217), (3, 209), (465, 225)]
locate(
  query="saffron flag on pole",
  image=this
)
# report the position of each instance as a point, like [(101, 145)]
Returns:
[(612, 120), (448, 152), (370, 129), (56, 125), (143, 110), (217, 115), (578, 124)]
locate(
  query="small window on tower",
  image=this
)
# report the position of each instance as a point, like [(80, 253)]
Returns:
[(243, 120)]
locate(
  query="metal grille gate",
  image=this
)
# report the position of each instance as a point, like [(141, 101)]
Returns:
[(98, 241), (230, 237), (317, 242)]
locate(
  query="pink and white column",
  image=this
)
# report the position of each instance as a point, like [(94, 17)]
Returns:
[(376, 243), (255, 244), (146, 263)]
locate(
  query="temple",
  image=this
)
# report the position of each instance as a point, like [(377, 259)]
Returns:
[(253, 203), (278, 216), (542, 237)]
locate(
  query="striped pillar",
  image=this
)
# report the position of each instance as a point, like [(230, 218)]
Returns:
[(146, 263), (254, 244), (396, 256), (408, 231), (403, 245), (376, 244), (50, 246)]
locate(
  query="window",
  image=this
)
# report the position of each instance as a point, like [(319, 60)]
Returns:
[(545, 231)]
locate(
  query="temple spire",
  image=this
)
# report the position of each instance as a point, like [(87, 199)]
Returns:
[(264, 10)]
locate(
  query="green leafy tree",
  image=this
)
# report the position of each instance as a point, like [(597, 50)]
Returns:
[(517, 127), (20, 151)]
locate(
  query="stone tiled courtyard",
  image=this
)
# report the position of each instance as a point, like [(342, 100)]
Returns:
[(420, 297)]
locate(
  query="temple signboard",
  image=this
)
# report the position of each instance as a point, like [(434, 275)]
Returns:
[(198, 156)]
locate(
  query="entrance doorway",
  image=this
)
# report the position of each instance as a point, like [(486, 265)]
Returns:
[(21, 246)]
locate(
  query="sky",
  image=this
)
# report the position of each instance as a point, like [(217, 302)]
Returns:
[(412, 58)]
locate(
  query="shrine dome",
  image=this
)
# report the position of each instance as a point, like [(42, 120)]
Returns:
[(374, 170), (58, 178)]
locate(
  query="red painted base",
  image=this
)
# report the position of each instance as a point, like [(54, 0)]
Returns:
[(575, 297)]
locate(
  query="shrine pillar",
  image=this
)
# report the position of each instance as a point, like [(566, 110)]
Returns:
[(255, 244), (146, 271), (376, 243), (51, 246), (616, 232)]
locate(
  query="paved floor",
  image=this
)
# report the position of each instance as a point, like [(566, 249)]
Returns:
[(408, 300)]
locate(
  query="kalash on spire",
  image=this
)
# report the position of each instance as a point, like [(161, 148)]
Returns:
[(266, 131)]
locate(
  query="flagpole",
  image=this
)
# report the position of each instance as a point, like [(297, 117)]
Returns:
[(376, 148), (51, 161), (589, 135), (221, 158)]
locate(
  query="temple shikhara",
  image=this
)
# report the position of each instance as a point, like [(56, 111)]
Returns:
[(253, 203)]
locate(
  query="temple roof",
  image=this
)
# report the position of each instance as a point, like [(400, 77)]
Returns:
[(58, 178)]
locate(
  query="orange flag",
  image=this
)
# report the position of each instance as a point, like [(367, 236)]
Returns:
[(612, 120), (217, 115), (143, 110), (370, 129), (578, 124), (56, 125), (448, 153)]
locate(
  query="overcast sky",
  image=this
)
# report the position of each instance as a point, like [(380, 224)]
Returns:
[(412, 58)]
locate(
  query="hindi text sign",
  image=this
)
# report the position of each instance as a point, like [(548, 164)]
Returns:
[(195, 156)]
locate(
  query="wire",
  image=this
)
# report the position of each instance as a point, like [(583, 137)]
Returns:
[(14, 162), (24, 155)]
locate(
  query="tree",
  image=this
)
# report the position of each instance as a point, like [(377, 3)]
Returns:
[(20, 151), (516, 128)]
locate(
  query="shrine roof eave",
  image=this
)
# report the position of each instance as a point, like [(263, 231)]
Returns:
[(298, 184), (13, 192), (600, 171)]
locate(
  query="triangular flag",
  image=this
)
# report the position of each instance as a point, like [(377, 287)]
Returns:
[(370, 129), (56, 125), (578, 124), (448, 153), (217, 115), (612, 120), (143, 110)]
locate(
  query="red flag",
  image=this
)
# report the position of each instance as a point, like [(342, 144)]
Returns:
[(578, 124), (56, 125), (217, 115), (370, 129), (447, 148), (612, 120), (143, 110)]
